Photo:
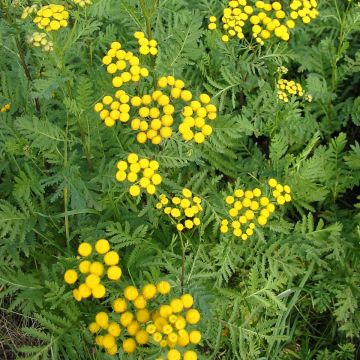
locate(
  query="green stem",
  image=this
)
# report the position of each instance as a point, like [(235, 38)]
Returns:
[(66, 190), (87, 151), (183, 259), (147, 17)]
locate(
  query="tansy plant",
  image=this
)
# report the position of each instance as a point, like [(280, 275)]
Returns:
[(168, 195)]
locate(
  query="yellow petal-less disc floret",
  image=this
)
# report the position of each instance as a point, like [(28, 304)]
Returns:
[(163, 287), (129, 345), (84, 249), (70, 276), (114, 272), (111, 258), (131, 293)]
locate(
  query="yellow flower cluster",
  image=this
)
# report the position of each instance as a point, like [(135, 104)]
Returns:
[(40, 40), (154, 117), (290, 87), (5, 108), (130, 170), (118, 60), (248, 205), (195, 114), (28, 11), (82, 3), (93, 271), (51, 17), (186, 209), (264, 19), (281, 192), (111, 110), (155, 114), (146, 320), (147, 46)]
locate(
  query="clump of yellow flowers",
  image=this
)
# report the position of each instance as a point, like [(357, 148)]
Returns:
[(251, 207), (185, 209), (194, 114), (5, 108), (154, 119), (131, 169), (111, 110), (146, 46), (93, 271), (145, 320), (262, 20), (51, 17), (123, 64), (288, 88), (40, 40)]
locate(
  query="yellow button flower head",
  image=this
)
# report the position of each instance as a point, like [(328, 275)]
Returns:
[(114, 272), (92, 281), (149, 291), (174, 354), (96, 268), (131, 293), (129, 345), (84, 249), (70, 276), (102, 319), (102, 246), (163, 287), (84, 266), (111, 258), (94, 327), (98, 291), (114, 329), (84, 291), (187, 300), (119, 305)]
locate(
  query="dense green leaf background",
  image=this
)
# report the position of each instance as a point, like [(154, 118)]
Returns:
[(289, 292)]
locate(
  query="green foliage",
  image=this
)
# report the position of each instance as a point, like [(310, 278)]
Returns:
[(291, 291)]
